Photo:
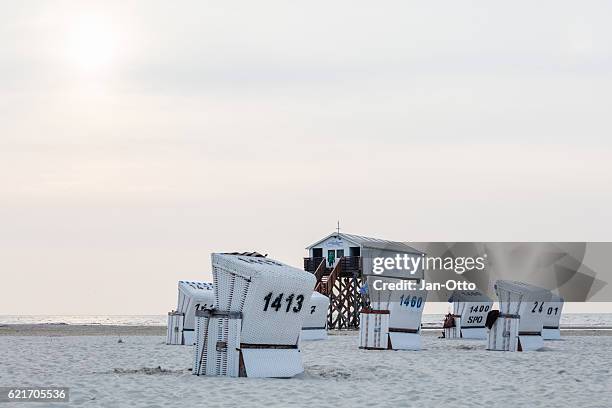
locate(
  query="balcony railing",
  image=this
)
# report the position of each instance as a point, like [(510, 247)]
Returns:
[(350, 265), (311, 264)]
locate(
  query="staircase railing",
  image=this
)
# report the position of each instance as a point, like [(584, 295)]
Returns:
[(319, 273), (331, 280)]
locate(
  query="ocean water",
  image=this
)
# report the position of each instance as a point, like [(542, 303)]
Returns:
[(116, 320), (568, 320)]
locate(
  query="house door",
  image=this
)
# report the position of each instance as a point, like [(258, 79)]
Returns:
[(331, 257)]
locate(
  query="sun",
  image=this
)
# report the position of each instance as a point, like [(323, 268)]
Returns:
[(91, 44)]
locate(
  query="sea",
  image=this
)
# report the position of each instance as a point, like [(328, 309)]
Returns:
[(568, 320)]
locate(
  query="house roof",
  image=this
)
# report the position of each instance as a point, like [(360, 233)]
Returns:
[(369, 242)]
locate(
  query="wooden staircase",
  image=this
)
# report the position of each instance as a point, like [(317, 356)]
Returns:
[(342, 290), (326, 281), (322, 277)]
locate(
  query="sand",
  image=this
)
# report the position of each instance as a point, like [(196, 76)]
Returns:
[(141, 371)]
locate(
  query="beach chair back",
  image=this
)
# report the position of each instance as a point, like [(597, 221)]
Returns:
[(520, 323), (315, 322), (272, 300), (470, 309)]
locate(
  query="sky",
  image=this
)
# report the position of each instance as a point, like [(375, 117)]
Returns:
[(138, 137)]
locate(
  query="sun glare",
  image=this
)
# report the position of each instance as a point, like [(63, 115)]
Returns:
[(91, 44)]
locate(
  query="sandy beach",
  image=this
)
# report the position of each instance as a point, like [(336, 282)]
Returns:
[(142, 371)]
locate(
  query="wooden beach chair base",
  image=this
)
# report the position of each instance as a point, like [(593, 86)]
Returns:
[(551, 333)]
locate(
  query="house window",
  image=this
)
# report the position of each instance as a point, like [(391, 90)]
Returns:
[(339, 253), (317, 252)]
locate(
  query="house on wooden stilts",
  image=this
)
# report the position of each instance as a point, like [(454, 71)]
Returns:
[(337, 262)]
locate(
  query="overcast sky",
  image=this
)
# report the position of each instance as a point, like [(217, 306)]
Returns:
[(138, 137)]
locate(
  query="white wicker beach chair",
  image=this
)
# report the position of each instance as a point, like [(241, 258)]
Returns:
[(192, 296), (470, 309), (260, 306), (520, 322), (393, 320), (315, 322)]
